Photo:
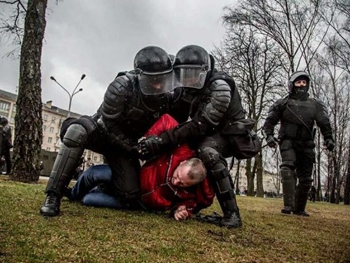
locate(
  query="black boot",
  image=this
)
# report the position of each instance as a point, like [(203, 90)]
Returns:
[(288, 185), (227, 198), (61, 174), (51, 206), (301, 196), (301, 213), (287, 210), (231, 219)]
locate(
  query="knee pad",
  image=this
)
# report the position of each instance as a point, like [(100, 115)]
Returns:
[(305, 181), (76, 136), (287, 165), (287, 174), (209, 156)]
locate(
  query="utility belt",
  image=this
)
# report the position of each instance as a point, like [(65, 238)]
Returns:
[(296, 132)]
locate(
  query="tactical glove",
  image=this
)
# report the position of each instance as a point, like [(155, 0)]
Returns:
[(329, 143), (271, 141), (150, 147)]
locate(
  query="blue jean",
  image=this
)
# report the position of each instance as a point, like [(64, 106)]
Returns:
[(91, 187)]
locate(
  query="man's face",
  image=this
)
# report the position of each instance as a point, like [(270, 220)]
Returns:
[(180, 176), (300, 83)]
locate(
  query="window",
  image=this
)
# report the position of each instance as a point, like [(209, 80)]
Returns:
[(4, 106), (48, 149), (44, 127), (52, 129), (49, 140), (53, 119), (45, 117)]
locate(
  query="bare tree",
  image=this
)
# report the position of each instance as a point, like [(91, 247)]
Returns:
[(336, 14), (28, 121), (254, 63), (337, 96), (293, 25)]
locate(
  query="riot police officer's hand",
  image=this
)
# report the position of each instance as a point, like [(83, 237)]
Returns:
[(271, 141), (329, 143), (150, 147)]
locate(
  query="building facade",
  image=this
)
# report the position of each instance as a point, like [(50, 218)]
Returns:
[(52, 120)]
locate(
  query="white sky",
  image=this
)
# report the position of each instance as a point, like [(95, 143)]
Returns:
[(101, 38)]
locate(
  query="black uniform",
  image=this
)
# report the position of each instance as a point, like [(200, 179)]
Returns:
[(297, 114), (6, 143)]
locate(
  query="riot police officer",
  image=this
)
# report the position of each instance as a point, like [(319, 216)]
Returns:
[(297, 114), (211, 100), (131, 105), (6, 143)]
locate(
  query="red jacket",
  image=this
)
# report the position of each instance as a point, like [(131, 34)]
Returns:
[(157, 191)]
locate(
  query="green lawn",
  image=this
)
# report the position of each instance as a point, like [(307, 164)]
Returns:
[(83, 234)]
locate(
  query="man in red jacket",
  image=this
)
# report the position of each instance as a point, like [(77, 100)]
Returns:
[(174, 181)]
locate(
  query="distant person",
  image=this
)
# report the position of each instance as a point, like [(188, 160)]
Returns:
[(297, 114), (173, 181), (6, 143), (313, 194)]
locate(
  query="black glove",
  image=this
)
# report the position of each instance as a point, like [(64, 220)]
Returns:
[(329, 143), (271, 141), (150, 147)]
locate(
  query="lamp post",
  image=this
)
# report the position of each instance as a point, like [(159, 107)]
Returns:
[(75, 91)]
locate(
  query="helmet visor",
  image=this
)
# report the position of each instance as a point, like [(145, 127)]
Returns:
[(190, 76), (152, 84)]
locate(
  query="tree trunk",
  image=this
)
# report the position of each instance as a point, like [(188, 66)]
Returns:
[(28, 120), (259, 175), (318, 174), (347, 181), (237, 177), (332, 180), (250, 177)]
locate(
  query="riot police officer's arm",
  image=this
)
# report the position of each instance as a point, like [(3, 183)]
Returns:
[(322, 121), (271, 121), (112, 109), (208, 116)]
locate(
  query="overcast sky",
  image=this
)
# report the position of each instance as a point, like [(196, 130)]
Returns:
[(101, 38)]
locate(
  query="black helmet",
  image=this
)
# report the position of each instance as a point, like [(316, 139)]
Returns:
[(3, 120), (296, 76), (191, 65), (154, 69)]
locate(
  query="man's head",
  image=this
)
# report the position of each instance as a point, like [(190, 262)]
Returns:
[(189, 173), (154, 68), (299, 83), (3, 121), (191, 66)]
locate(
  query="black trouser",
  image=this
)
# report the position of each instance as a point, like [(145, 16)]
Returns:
[(7, 156), (302, 155)]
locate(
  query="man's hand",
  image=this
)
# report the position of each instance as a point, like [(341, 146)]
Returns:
[(271, 141), (150, 147), (181, 213), (329, 143)]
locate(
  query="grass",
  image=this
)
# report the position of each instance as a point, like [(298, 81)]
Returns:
[(83, 234)]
